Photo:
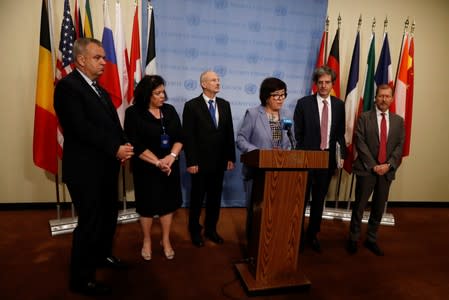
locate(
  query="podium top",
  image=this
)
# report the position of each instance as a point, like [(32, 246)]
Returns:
[(286, 159)]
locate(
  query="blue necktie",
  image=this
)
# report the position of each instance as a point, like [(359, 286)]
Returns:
[(212, 112)]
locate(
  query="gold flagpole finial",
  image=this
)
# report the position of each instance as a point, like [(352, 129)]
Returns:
[(359, 23), (373, 26), (339, 20), (327, 24), (385, 24), (412, 28), (406, 24)]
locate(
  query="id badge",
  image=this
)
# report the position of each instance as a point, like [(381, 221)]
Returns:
[(165, 141)]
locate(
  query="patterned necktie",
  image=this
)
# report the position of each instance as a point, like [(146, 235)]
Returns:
[(97, 89), (323, 126), (212, 112), (382, 155)]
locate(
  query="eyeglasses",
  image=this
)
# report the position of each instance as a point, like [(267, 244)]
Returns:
[(279, 96)]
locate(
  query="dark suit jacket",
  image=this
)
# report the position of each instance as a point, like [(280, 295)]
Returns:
[(307, 126), (91, 128), (367, 143), (205, 145)]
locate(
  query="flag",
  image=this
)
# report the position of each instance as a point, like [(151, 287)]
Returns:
[(78, 22), (150, 63), (45, 122), (135, 67), (320, 61), (401, 79), (64, 62), (351, 102), (144, 32), (384, 71), (409, 99), (122, 61), (88, 30), (367, 99), (333, 62), (109, 80)]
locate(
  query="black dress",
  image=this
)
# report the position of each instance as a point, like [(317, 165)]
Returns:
[(155, 192)]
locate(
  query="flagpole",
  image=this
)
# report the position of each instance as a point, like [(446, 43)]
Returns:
[(337, 191), (326, 29), (400, 52)]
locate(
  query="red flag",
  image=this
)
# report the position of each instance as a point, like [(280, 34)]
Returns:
[(320, 60), (401, 79), (45, 122), (135, 69), (409, 97), (333, 62)]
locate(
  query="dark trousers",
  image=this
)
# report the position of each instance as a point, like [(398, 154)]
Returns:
[(208, 187), (379, 186), (317, 184), (97, 210)]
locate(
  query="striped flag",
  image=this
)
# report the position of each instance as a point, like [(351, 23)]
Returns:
[(384, 71), (88, 30), (333, 61), (409, 101), (320, 61), (135, 67), (78, 23), (150, 63), (45, 122), (109, 80), (367, 100), (64, 62), (351, 103), (401, 80), (144, 32), (122, 61)]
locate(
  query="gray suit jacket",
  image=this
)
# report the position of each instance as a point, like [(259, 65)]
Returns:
[(255, 132), (367, 143)]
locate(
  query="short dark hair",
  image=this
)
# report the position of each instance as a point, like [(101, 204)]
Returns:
[(384, 86), (144, 90), (323, 70), (268, 86)]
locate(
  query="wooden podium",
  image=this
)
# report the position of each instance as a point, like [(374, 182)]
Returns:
[(278, 206)]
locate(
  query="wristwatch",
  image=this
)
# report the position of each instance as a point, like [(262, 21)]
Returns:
[(174, 155)]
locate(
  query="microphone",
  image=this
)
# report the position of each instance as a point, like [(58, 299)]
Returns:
[(287, 125)]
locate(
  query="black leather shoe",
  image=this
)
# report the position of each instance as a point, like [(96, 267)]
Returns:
[(91, 288), (214, 237), (314, 243), (373, 247), (351, 246), (114, 263), (197, 240)]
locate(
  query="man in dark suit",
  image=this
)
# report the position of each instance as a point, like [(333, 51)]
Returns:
[(210, 150), (379, 141), (94, 146), (319, 122)]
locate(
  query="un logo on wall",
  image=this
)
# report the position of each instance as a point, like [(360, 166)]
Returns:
[(190, 84), (221, 4), (193, 20), (220, 70), (278, 74), (280, 11), (222, 39), (252, 58), (191, 53), (250, 88), (280, 45), (254, 26)]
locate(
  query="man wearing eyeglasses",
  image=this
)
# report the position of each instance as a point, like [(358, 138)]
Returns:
[(319, 122)]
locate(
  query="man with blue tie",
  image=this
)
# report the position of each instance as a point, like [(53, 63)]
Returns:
[(210, 150), (379, 141)]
